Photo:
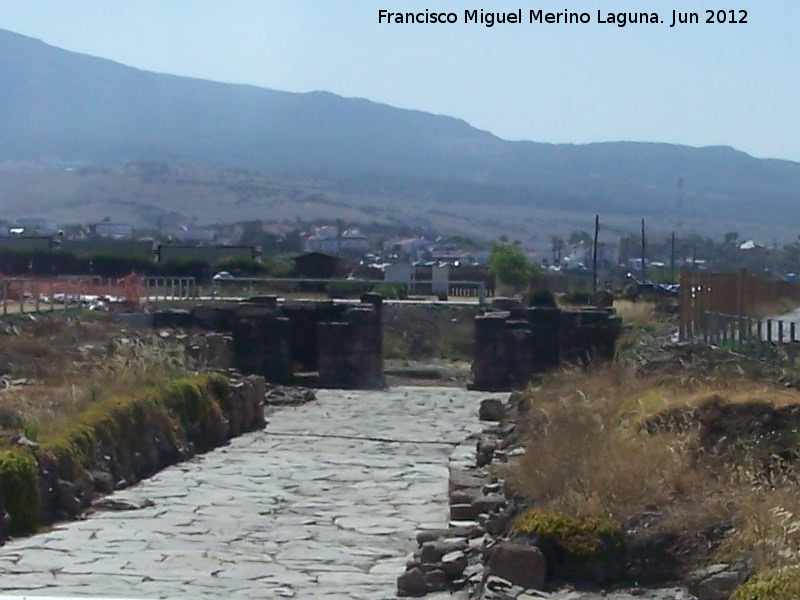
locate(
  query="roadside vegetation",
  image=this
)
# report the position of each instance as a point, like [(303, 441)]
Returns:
[(694, 450), (428, 332), (92, 404), (56, 366)]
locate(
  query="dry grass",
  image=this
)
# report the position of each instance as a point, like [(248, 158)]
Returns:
[(68, 364), (638, 314), (589, 454)]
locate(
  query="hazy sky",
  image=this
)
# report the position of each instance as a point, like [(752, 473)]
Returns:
[(703, 84)]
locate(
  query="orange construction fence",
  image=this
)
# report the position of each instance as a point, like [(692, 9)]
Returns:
[(43, 292)]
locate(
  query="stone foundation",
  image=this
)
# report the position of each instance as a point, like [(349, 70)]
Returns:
[(324, 343), (513, 345)]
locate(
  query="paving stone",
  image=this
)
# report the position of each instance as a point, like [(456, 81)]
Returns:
[(276, 516), (270, 515)]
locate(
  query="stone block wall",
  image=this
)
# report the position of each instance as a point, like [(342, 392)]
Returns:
[(340, 342), (511, 346), (351, 350), (262, 345)]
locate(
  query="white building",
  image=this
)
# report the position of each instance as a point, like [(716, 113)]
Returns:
[(329, 240), (115, 230)]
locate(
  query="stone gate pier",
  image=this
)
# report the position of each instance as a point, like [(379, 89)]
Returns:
[(321, 344), (513, 343)]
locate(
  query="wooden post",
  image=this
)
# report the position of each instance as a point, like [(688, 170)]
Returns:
[(743, 337), (21, 296), (594, 254), (780, 332), (5, 297), (36, 296), (52, 296)]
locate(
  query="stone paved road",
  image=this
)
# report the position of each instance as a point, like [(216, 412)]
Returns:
[(307, 509)]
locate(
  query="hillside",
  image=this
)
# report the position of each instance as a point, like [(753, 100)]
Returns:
[(62, 108)]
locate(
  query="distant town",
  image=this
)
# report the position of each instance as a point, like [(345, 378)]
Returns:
[(371, 252)]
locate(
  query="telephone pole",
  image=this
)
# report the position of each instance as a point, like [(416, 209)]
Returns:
[(594, 254), (644, 272)]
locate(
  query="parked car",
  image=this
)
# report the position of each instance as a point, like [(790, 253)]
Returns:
[(222, 276)]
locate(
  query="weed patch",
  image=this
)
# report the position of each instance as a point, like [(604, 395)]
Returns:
[(582, 538), (19, 484), (779, 584)]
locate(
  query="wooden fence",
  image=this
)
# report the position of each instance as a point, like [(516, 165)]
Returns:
[(771, 340), (737, 294)]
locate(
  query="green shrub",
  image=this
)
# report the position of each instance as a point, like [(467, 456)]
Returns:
[(540, 297), (19, 483), (9, 419), (779, 584), (582, 538), (396, 346), (347, 289), (391, 291), (578, 297)]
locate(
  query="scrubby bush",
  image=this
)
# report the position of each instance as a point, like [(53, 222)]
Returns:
[(540, 297), (577, 297), (391, 291), (19, 483), (582, 538), (779, 584)]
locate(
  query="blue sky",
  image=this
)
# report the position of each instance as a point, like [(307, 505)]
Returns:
[(698, 85)]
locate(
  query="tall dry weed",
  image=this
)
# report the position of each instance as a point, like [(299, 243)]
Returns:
[(71, 364), (589, 454)]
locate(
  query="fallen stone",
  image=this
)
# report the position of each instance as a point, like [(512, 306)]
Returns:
[(518, 564), (121, 504), (412, 583), (428, 535), (717, 582), (68, 497), (484, 451), (102, 480), (488, 502), (491, 409), (454, 563), (437, 581), (493, 488), (432, 552), (463, 512), (464, 496)]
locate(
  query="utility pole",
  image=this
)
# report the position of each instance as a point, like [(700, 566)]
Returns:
[(672, 259), (594, 254), (644, 272)]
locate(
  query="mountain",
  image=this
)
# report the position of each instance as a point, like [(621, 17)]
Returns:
[(60, 106)]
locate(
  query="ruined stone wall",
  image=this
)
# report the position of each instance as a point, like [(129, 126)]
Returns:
[(351, 350), (342, 343), (515, 344)]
